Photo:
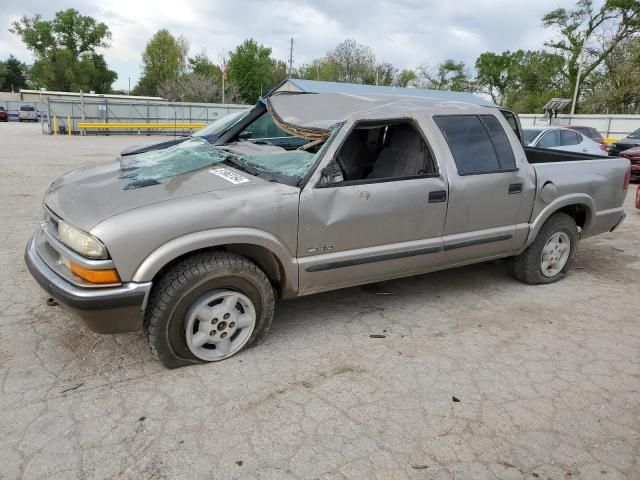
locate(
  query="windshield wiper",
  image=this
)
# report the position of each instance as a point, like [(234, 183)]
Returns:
[(233, 160)]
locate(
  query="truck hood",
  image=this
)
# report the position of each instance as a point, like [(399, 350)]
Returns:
[(89, 195)]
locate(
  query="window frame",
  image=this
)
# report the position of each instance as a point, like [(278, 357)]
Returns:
[(548, 132), (366, 181), (478, 115)]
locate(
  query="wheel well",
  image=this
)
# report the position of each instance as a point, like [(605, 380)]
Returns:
[(579, 212), (261, 256)]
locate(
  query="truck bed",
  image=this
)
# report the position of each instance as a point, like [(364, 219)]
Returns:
[(545, 155)]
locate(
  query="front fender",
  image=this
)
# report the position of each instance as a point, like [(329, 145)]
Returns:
[(177, 247), (557, 204)]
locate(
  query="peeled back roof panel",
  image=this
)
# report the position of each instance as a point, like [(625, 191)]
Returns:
[(316, 86), (318, 112)]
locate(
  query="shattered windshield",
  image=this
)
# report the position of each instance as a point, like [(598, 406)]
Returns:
[(148, 168), (260, 159)]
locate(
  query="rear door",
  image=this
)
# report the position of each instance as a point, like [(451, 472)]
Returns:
[(487, 188)]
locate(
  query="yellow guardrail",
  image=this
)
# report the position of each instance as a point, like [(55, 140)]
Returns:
[(610, 140), (141, 126)]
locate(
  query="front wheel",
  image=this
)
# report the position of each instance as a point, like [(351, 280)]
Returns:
[(549, 257), (208, 307)]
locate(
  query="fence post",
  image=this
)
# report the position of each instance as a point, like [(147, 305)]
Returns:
[(609, 127), (49, 116), (55, 125)]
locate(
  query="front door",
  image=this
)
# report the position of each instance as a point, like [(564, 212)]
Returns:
[(382, 217)]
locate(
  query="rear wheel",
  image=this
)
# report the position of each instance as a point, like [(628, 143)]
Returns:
[(208, 307), (549, 257)]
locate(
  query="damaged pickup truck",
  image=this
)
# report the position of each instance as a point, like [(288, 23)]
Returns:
[(307, 193)]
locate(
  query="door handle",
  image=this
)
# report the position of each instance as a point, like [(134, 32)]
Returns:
[(438, 196), (515, 188)]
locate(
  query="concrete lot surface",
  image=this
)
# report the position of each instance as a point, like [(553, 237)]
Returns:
[(478, 376)]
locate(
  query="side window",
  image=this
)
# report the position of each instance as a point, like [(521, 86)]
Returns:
[(478, 143), (377, 152), (500, 142), (567, 137), (549, 139)]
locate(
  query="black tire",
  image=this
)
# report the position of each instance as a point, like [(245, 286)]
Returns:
[(527, 267), (187, 281)]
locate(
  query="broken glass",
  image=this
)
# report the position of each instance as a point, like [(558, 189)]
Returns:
[(149, 167)]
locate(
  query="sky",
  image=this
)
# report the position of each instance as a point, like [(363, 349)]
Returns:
[(406, 33)]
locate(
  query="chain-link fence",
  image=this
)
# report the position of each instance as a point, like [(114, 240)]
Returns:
[(115, 116)]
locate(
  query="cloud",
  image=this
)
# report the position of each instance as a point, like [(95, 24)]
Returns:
[(406, 33)]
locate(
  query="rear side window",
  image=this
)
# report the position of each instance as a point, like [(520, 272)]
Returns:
[(568, 137), (478, 143), (500, 142)]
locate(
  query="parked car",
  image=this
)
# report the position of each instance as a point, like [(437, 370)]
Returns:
[(27, 113), (633, 155), (638, 197), (630, 141), (3, 115), (591, 133), (210, 133), (196, 242), (560, 138)]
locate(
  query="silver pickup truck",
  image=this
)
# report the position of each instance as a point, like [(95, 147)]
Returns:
[(308, 193)]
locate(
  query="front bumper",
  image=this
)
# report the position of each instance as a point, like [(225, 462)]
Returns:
[(104, 310)]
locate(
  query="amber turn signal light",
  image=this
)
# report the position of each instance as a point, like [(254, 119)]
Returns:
[(95, 276)]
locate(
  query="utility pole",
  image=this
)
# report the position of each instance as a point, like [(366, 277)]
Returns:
[(129, 89), (291, 58)]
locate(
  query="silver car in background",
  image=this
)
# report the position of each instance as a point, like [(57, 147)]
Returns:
[(560, 138), (27, 113)]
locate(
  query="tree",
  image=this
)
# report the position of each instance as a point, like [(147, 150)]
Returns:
[(406, 78), (320, 69), (449, 75), (164, 58), (615, 88), (13, 75), (252, 70), (201, 65), (538, 77), (354, 62), (616, 19), (66, 51), (495, 73)]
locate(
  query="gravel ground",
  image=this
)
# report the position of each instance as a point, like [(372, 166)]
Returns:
[(478, 376)]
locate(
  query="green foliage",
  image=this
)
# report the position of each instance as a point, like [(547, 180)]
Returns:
[(66, 51), (577, 30), (449, 75), (616, 87), (252, 70), (164, 59), (201, 65), (13, 75), (538, 76), (495, 73), (406, 78)]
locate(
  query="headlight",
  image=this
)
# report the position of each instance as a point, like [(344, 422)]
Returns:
[(80, 241)]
